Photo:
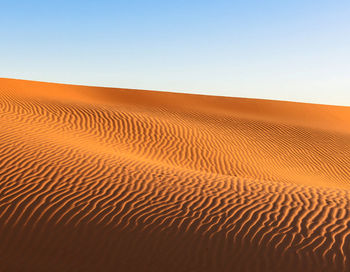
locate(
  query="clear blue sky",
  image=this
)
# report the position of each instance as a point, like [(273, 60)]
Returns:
[(295, 50)]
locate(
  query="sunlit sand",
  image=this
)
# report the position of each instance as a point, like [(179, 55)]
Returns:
[(104, 179)]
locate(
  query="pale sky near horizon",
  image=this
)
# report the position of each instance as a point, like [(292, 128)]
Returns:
[(286, 50)]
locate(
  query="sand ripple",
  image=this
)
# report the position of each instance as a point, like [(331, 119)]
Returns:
[(97, 179)]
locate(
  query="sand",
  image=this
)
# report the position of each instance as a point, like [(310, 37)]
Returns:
[(105, 179)]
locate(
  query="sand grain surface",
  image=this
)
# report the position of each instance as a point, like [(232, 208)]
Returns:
[(102, 179)]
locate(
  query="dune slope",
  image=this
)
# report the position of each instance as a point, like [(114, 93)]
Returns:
[(102, 179)]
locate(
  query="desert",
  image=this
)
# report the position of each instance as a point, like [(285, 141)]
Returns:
[(107, 179)]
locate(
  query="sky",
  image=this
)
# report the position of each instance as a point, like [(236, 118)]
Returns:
[(295, 50)]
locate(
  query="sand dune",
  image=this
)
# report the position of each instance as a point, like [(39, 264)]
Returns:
[(102, 179)]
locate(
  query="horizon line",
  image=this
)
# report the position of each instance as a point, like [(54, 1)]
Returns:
[(170, 91)]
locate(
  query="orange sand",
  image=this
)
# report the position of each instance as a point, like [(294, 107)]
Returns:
[(103, 179)]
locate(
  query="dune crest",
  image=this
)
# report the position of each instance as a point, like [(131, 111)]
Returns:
[(105, 179)]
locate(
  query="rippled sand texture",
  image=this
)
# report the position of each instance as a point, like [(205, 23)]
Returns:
[(98, 179)]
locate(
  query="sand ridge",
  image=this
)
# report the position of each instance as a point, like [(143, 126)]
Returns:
[(103, 179)]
